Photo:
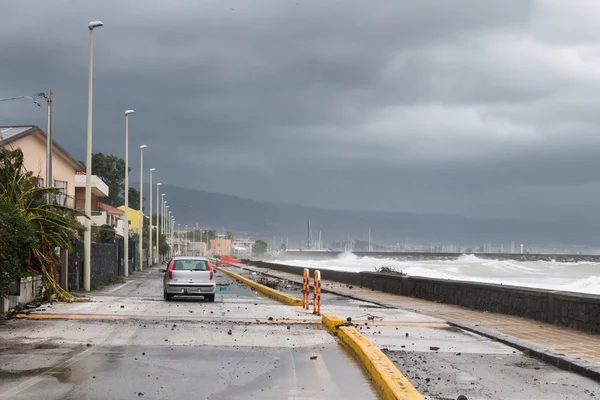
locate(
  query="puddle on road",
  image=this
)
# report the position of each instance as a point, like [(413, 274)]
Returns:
[(75, 373)]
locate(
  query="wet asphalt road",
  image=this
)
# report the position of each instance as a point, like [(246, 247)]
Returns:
[(443, 361), (129, 344)]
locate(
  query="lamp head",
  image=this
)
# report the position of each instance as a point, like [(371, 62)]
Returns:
[(152, 169), (129, 112), (95, 24)]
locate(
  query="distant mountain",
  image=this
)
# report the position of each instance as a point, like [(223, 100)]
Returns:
[(266, 220)]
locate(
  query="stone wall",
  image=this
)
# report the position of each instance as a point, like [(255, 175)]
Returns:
[(31, 289), (106, 262), (574, 310), (75, 266)]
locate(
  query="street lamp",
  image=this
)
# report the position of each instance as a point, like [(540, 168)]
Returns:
[(87, 238), (186, 240), (167, 225), (150, 248), (141, 223), (126, 224), (163, 213), (169, 233), (158, 204)]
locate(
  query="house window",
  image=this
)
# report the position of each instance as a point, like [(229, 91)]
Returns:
[(40, 182), (62, 197)]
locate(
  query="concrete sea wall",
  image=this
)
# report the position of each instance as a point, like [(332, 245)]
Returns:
[(574, 310)]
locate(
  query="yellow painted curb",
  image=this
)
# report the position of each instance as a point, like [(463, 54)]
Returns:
[(392, 384), (70, 316), (267, 291), (332, 322)]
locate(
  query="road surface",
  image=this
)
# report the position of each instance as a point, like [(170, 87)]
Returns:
[(129, 343)]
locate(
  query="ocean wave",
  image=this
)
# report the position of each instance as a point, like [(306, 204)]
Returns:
[(577, 277), (590, 285)]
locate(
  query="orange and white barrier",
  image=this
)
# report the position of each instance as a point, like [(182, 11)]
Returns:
[(317, 293), (306, 289)]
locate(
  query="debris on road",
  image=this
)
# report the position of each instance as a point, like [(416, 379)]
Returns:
[(272, 283)]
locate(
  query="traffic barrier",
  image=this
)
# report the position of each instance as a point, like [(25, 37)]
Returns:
[(230, 260), (306, 289), (317, 293)]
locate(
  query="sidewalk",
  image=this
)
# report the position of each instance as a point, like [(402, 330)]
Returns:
[(566, 348)]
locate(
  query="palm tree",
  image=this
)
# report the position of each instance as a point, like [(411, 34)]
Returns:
[(54, 224)]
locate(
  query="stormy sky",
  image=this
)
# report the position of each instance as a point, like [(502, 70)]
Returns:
[(483, 108)]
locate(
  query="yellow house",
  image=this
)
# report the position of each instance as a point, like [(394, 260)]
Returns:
[(134, 219)]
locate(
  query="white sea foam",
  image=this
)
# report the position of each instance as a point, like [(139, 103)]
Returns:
[(581, 277)]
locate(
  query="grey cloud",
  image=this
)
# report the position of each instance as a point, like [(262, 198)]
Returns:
[(464, 107)]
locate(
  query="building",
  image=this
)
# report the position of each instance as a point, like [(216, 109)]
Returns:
[(99, 191), (196, 249), (114, 217), (67, 172), (220, 247), (241, 246), (134, 219), (32, 141)]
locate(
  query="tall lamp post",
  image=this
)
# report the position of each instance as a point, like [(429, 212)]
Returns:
[(158, 208), (150, 248), (126, 216), (165, 212), (167, 219), (87, 237), (141, 222), (170, 233)]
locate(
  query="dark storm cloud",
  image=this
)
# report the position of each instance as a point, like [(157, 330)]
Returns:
[(461, 107)]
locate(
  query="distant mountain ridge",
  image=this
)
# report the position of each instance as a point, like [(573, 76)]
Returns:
[(266, 220)]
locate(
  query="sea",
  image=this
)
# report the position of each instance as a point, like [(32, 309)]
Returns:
[(581, 277)]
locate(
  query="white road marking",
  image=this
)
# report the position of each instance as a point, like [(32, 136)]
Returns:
[(36, 379), (119, 287)]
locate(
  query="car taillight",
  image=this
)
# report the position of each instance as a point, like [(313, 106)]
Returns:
[(170, 270), (212, 273)]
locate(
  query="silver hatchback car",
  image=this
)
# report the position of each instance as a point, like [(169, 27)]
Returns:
[(189, 276)]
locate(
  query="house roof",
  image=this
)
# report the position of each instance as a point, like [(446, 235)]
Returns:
[(109, 208), (9, 134)]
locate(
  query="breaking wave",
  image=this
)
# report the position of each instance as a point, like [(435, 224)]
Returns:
[(581, 277)]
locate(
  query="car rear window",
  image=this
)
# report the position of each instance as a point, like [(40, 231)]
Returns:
[(190, 265)]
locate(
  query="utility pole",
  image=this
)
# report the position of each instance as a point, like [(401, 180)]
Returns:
[(48, 97)]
